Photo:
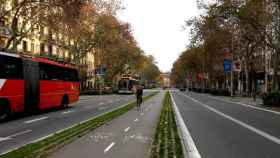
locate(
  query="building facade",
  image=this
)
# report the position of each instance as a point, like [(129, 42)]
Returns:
[(40, 42), (165, 79)]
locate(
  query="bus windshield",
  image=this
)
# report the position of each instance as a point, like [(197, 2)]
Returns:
[(123, 84), (10, 67)]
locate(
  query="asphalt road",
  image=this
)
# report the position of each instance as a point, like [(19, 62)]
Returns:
[(222, 129), (18, 132), (127, 136)]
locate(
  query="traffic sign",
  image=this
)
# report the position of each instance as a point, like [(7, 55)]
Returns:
[(237, 66), (227, 65)]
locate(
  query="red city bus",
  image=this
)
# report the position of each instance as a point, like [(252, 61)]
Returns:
[(29, 84)]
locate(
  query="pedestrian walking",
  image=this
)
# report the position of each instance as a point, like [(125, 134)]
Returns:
[(139, 96)]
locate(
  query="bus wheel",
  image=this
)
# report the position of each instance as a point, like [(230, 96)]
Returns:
[(4, 110), (65, 102)]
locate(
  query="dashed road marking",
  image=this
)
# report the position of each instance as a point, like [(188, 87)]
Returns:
[(101, 103), (127, 129), (59, 131), (103, 108), (4, 139), (109, 147), (20, 133), (142, 114), (14, 135), (35, 120), (67, 112)]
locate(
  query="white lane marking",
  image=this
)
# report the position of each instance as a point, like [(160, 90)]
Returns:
[(246, 105), (103, 108), (67, 112), (142, 113), (109, 147), (2, 82), (245, 125), (4, 139), (101, 103), (190, 149), (127, 129), (14, 135), (62, 130), (135, 120), (19, 133), (35, 120)]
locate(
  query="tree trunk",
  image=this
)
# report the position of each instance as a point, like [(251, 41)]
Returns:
[(9, 42), (247, 78), (275, 82), (15, 44)]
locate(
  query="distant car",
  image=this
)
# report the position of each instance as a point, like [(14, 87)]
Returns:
[(182, 89), (108, 90)]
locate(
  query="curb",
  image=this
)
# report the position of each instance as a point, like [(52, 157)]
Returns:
[(189, 148)]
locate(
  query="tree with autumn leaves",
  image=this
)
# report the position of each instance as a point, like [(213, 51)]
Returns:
[(118, 51), (80, 27), (247, 29)]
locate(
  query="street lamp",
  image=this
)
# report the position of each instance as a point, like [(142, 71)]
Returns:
[(232, 21)]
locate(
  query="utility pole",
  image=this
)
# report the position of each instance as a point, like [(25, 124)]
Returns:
[(203, 70), (232, 58), (231, 72)]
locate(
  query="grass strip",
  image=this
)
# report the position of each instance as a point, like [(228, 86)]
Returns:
[(43, 148), (167, 142)]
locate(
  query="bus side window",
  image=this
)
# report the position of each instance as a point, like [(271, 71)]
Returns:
[(44, 72), (55, 73), (51, 72), (43, 75), (70, 75)]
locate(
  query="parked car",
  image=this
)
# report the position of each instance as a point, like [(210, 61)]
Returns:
[(183, 89), (271, 99), (220, 92)]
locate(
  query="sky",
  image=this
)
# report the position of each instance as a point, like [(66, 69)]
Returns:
[(158, 27)]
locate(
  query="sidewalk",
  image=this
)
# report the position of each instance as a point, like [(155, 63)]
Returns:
[(128, 136)]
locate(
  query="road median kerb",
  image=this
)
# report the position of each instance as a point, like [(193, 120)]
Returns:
[(48, 144), (167, 142), (189, 147)]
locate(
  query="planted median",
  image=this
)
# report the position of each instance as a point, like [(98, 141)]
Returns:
[(52, 143), (167, 142)]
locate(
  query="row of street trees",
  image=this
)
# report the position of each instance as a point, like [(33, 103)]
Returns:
[(119, 53), (246, 32), (79, 27)]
